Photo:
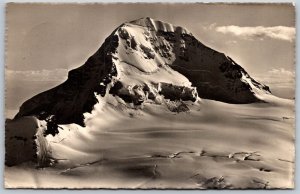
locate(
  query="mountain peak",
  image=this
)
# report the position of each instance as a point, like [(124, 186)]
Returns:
[(146, 60)]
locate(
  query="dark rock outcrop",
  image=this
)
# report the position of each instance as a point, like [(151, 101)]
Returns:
[(137, 94), (75, 96), (173, 92), (25, 142)]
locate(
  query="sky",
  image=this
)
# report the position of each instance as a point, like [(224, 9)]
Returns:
[(44, 42)]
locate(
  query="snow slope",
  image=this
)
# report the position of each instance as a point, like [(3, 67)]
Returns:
[(214, 145)]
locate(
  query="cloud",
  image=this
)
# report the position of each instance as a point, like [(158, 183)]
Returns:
[(279, 77), (231, 42), (281, 82), (38, 75), (259, 32), (209, 27), (281, 72)]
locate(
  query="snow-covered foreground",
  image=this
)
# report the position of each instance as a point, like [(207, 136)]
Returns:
[(214, 145)]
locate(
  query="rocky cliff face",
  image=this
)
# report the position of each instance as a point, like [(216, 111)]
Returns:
[(144, 60), (76, 95), (215, 75)]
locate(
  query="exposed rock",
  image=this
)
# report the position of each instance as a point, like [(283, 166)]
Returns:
[(25, 142), (130, 94), (75, 96), (216, 183), (133, 43), (148, 52), (212, 183), (123, 34), (174, 92), (137, 94), (177, 106)]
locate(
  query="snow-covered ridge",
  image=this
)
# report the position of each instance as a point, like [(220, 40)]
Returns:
[(156, 25)]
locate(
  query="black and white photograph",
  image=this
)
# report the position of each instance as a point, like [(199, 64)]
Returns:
[(150, 96)]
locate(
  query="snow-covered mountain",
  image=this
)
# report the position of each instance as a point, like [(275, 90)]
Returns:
[(146, 60), (144, 124)]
